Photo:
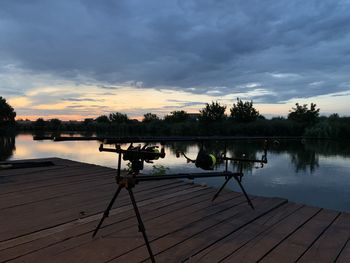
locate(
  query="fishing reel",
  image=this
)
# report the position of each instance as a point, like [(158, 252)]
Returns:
[(145, 153), (207, 161), (204, 159), (137, 155)]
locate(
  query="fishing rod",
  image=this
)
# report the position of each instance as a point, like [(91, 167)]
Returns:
[(138, 155), (146, 139)]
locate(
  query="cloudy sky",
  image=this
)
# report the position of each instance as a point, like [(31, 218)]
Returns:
[(75, 59)]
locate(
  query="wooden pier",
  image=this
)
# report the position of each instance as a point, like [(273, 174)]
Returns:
[(48, 214)]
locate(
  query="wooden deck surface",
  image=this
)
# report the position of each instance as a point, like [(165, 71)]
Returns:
[(48, 214)]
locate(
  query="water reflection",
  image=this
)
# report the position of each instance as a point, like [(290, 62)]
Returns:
[(310, 172), (7, 147), (305, 160), (303, 155), (184, 147)]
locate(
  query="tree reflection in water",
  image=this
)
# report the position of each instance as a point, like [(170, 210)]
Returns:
[(303, 154), (304, 160), (7, 146), (235, 149)]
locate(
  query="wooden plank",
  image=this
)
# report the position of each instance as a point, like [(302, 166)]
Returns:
[(87, 201), (295, 245), (36, 195), (52, 178), (62, 191), (330, 244), (113, 236), (24, 172), (59, 163), (267, 240), (72, 185), (98, 194), (21, 221), (181, 221), (127, 219), (173, 246), (147, 206), (82, 229), (222, 248), (344, 256), (55, 177), (16, 200)]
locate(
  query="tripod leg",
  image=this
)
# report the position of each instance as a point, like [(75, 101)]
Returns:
[(221, 188), (141, 226), (244, 192), (106, 212)]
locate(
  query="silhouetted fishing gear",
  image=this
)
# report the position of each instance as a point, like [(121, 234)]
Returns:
[(138, 155), (147, 153), (205, 160), (239, 175), (152, 139)]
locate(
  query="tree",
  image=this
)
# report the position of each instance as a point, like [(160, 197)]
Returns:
[(302, 114), (150, 117), (40, 123), (88, 121), (213, 112), (102, 119), (244, 111), (55, 124), (7, 113), (118, 117), (177, 116)]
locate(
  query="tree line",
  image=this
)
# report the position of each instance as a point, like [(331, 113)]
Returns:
[(243, 120)]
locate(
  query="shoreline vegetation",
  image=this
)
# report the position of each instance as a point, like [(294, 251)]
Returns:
[(243, 120)]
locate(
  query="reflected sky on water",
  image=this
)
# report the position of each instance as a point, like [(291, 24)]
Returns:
[(311, 172)]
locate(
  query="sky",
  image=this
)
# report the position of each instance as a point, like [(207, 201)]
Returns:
[(76, 59)]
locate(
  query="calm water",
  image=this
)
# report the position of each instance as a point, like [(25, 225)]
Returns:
[(309, 172)]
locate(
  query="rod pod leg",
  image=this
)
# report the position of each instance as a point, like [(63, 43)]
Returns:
[(244, 192), (106, 212), (141, 225), (221, 188)]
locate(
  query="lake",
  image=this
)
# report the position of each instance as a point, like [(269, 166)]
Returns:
[(310, 172)]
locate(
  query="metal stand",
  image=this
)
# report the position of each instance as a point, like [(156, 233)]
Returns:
[(239, 180), (127, 183), (237, 176), (138, 156), (106, 212), (141, 225)]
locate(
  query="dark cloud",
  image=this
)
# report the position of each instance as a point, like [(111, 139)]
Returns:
[(80, 99), (213, 47), (85, 108), (181, 103), (340, 94), (106, 94), (11, 92), (108, 87)]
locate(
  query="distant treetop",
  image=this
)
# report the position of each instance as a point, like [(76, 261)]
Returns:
[(149, 117), (302, 114), (118, 117), (213, 112), (102, 119), (177, 116), (244, 111)]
